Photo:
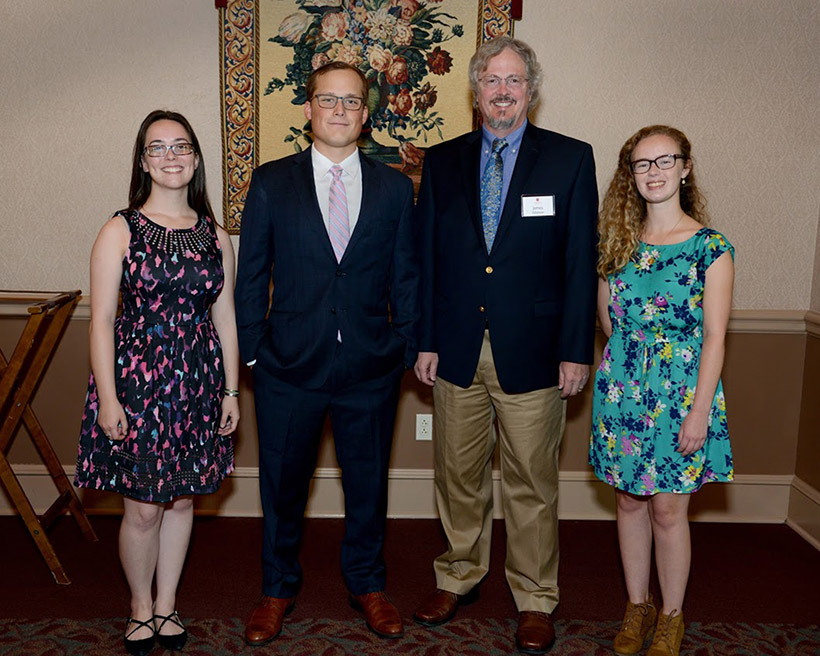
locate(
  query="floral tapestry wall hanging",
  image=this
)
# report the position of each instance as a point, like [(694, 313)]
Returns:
[(414, 54)]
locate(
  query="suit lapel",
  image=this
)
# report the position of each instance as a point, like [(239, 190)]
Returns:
[(524, 166), (308, 202), (367, 170)]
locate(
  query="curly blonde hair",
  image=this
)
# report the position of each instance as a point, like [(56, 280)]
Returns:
[(623, 214)]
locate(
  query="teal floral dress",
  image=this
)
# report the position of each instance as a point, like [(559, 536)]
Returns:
[(646, 382)]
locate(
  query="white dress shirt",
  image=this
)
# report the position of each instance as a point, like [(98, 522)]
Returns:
[(351, 177)]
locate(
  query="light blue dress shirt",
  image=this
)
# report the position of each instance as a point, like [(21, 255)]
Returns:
[(508, 156)]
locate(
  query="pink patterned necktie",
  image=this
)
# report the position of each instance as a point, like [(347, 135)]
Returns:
[(338, 227)]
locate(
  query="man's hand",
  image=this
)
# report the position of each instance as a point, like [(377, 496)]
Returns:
[(571, 378), (426, 367)]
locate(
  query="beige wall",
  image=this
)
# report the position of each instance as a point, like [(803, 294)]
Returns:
[(77, 79), (739, 76), (815, 291)]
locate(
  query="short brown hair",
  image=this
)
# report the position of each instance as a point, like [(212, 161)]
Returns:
[(313, 80)]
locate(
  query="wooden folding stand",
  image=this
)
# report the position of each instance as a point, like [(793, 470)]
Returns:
[(18, 380)]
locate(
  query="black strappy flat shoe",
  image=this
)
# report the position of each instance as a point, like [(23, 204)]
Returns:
[(173, 642), (142, 646)]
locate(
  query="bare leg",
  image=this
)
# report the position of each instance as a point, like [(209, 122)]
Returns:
[(635, 539), (673, 553), (139, 546), (174, 536)]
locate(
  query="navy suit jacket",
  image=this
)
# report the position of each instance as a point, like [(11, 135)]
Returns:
[(371, 296), (536, 290)]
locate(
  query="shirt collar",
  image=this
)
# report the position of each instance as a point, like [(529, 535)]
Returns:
[(513, 139), (321, 165)]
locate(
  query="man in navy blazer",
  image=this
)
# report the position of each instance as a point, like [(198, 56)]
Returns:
[(507, 219), (331, 232)]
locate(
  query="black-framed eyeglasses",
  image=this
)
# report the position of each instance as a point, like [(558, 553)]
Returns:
[(663, 162), (512, 81), (329, 101), (160, 150)]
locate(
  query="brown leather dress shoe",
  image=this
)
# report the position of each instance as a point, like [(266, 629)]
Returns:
[(535, 634), (381, 615), (440, 607), (265, 621)]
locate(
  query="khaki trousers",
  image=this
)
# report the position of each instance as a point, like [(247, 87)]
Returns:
[(530, 427)]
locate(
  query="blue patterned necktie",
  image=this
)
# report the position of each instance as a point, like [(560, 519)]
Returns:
[(492, 183)]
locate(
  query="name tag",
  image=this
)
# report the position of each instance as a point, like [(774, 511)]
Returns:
[(537, 205)]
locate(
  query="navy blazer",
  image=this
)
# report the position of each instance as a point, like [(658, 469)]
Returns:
[(371, 296), (536, 290)]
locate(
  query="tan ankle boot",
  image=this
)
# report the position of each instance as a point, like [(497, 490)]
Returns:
[(639, 620), (668, 635)]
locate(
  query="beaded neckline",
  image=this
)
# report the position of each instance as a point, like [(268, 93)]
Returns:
[(196, 239)]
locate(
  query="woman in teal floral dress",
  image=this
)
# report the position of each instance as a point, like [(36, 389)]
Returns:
[(659, 428)]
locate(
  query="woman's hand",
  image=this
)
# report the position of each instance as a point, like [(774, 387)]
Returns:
[(113, 421), (692, 433), (230, 415)]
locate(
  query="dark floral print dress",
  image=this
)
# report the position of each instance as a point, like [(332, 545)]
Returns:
[(168, 368), (646, 382)]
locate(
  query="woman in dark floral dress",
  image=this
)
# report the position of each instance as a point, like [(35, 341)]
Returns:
[(659, 428), (162, 400)]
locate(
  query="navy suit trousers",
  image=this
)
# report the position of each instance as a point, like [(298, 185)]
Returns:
[(362, 415)]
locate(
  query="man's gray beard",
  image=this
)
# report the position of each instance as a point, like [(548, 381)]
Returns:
[(500, 123)]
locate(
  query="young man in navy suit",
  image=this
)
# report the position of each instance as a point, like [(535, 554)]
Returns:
[(507, 218), (331, 231)]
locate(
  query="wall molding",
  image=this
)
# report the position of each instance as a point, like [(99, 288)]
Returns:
[(784, 322), (804, 511), (13, 307), (813, 323), (767, 321), (749, 499)]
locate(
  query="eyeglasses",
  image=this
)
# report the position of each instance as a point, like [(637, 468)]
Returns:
[(329, 101), (663, 162), (512, 81), (160, 150)]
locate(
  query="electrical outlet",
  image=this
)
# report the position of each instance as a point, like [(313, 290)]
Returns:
[(424, 428)]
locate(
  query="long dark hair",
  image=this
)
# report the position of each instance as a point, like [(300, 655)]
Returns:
[(141, 181)]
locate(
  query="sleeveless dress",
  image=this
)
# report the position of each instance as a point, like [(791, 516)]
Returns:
[(168, 370), (646, 382)]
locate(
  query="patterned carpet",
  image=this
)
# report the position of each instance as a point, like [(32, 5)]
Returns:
[(461, 637)]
